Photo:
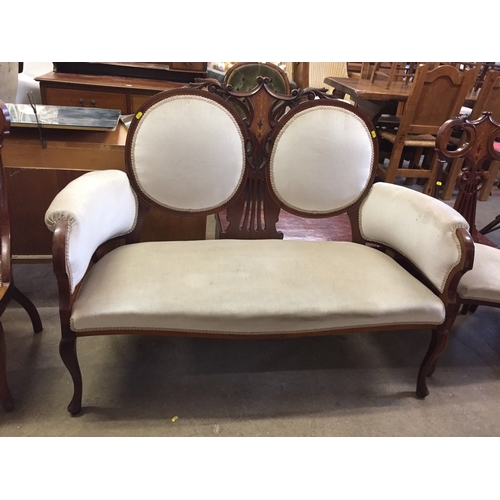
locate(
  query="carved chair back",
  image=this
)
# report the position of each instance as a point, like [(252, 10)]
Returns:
[(435, 96), (234, 170), (255, 213), (488, 99), (477, 148)]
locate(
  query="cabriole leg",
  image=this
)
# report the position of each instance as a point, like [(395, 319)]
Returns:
[(29, 307), (67, 350), (438, 343)]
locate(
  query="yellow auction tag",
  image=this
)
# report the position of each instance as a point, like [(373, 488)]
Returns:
[(439, 183), (138, 115), (175, 418), (374, 134)]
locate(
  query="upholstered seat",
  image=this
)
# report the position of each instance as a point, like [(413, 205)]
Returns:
[(318, 288), (482, 283), (189, 153)]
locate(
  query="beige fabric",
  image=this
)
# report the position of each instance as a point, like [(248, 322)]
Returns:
[(419, 227), (188, 154), (98, 206), (321, 160), (246, 287), (482, 282)]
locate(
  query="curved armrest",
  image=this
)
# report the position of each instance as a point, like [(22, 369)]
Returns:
[(97, 206), (421, 228)]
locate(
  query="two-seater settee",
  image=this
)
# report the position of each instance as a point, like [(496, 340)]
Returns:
[(190, 153)]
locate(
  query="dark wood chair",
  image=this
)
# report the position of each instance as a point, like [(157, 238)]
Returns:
[(8, 290), (481, 285), (435, 96), (488, 99)]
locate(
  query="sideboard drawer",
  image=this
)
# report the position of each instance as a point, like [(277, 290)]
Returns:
[(188, 66), (87, 98), (137, 100)]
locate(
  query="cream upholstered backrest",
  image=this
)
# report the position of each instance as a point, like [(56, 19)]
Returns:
[(420, 227), (186, 151), (322, 158)]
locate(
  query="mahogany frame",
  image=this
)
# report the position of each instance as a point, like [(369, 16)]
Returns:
[(269, 107)]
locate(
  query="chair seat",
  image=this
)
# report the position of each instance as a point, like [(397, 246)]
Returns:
[(412, 140), (482, 283), (259, 286)]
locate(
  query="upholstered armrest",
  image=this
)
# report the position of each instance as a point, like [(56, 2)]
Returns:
[(421, 228), (97, 206)]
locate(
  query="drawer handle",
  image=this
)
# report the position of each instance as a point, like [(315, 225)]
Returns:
[(92, 103)]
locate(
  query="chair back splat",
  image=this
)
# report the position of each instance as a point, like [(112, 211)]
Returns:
[(481, 138), (488, 99), (255, 213)]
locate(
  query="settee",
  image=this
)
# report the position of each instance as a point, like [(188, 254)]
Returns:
[(189, 152)]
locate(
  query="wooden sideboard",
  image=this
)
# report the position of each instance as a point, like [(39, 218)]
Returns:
[(34, 175), (100, 91)]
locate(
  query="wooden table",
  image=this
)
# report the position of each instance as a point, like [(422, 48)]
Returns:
[(35, 175), (375, 99)]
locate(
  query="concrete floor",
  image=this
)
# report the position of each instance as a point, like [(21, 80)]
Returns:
[(345, 385)]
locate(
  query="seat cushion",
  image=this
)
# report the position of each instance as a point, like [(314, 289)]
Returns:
[(245, 287), (482, 282), (411, 140)]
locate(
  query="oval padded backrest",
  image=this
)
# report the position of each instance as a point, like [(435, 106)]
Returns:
[(322, 159), (187, 152)]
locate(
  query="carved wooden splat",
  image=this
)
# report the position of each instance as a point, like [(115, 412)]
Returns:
[(477, 147), (255, 213)]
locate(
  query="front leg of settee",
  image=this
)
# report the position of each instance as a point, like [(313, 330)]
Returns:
[(434, 238), (91, 210)]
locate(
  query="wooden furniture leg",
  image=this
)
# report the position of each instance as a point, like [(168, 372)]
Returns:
[(5, 396), (67, 350), (438, 343), (29, 307)]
